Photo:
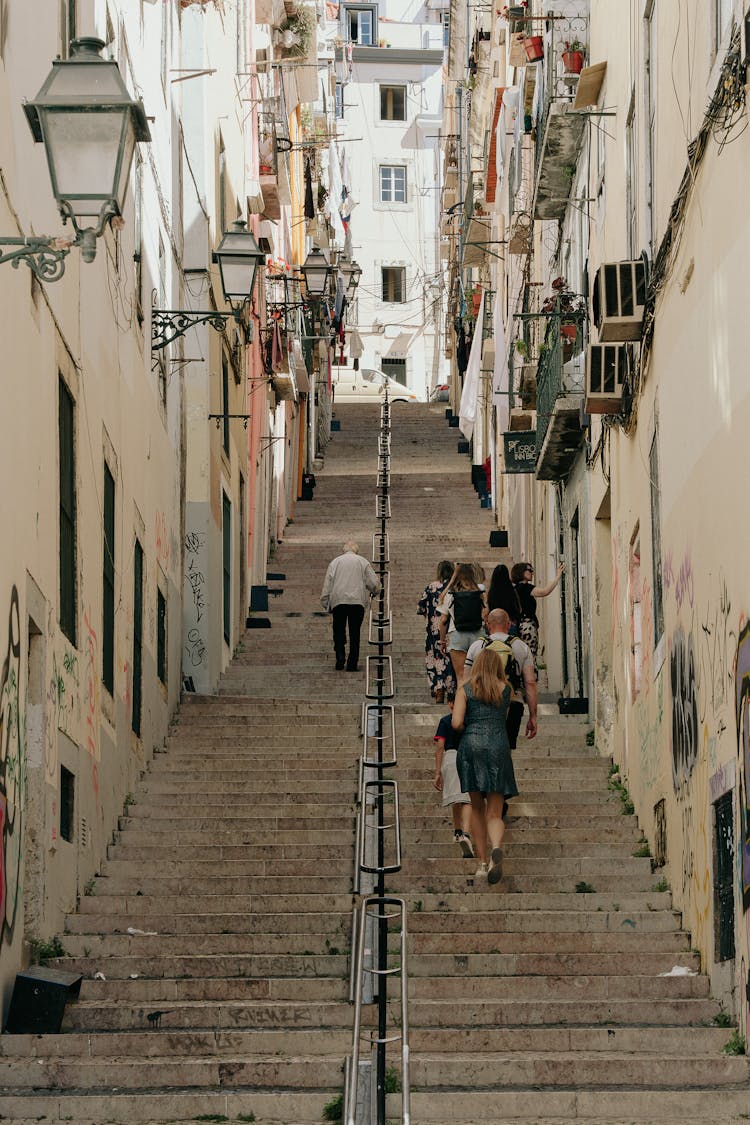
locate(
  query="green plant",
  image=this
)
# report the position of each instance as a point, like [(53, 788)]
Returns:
[(393, 1080), (129, 800), (590, 736), (613, 769), (246, 1117), (212, 1117), (722, 1019), (661, 886), (569, 170), (44, 951), (643, 851), (615, 785), (87, 951), (295, 32), (334, 1110), (736, 1045), (418, 906), (584, 888), (574, 45), (522, 348), (89, 887)]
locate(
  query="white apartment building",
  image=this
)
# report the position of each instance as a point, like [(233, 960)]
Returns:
[(389, 105)]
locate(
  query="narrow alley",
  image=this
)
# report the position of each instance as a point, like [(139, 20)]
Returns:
[(215, 942)]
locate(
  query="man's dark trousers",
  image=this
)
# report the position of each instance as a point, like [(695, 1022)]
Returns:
[(354, 615), (513, 722)]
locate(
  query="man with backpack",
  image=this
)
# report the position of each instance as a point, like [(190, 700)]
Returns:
[(519, 671)]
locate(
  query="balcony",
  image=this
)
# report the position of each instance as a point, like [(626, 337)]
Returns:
[(559, 127), (559, 394)]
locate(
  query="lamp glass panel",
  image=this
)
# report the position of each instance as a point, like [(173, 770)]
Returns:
[(237, 276), (83, 150), (126, 160)]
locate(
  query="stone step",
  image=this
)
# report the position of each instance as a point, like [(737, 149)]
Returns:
[(167, 1043), (626, 1106), (183, 1105), (491, 1012), (240, 922)]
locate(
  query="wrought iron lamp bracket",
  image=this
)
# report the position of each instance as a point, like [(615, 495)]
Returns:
[(167, 325), (44, 256)]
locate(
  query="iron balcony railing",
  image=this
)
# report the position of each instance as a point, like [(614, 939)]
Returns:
[(551, 381), (558, 84)]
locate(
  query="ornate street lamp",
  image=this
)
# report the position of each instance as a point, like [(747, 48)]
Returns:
[(352, 272), (238, 256), (317, 272), (89, 125)]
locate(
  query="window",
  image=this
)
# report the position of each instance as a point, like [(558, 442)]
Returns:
[(393, 103), (67, 804), (392, 183), (66, 427), (636, 620), (724, 879), (394, 284), (446, 18), (395, 368), (721, 16), (225, 403), (161, 636), (656, 576), (137, 636), (631, 171), (222, 187), (339, 99), (138, 236), (108, 583), (360, 24), (649, 94), (226, 528)]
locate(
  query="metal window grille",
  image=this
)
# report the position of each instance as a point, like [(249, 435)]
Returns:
[(137, 636), (108, 583), (225, 403), (724, 878), (161, 636), (226, 526), (66, 425), (396, 369), (67, 804)]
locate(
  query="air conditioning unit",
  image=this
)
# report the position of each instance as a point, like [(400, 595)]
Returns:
[(618, 300), (606, 371)]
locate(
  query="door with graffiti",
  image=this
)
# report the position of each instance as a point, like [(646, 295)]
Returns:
[(576, 576)]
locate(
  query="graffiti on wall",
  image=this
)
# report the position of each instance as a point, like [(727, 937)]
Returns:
[(12, 774), (684, 707), (194, 544)]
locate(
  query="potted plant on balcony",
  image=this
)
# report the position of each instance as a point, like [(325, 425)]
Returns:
[(573, 56), (295, 32), (571, 309), (534, 48)]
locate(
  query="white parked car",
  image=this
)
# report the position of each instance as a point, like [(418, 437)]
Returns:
[(367, 385)]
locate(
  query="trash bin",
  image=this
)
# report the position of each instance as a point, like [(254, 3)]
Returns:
[(39, 998)]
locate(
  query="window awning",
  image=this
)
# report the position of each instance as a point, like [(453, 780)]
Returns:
[(491, 177)]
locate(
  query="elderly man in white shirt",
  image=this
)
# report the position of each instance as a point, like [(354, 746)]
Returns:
[(349, 583), (498, 626)]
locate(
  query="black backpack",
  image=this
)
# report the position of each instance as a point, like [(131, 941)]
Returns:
[(467, 610), (512, 671)]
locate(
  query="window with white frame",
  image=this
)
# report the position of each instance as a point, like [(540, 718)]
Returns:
[(392, 183), (393, 284), (360, 23), (721, 16), (393, 103), (446, 18), (631, 172)]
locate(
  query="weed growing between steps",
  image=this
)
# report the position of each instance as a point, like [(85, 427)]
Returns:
[(722, 1019), (44, 951), (643, 851), (334, 1110), (661, 886), (584, 888), (736, 1045), (616, 785)]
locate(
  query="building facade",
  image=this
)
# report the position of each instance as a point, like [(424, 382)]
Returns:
[(388, 103), (602, 146)]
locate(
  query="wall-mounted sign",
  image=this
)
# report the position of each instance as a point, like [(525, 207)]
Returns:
[(519, 451)]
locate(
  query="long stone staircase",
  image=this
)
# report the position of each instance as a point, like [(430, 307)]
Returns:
[(215, 942)]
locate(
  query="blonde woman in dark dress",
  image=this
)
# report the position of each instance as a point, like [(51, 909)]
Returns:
[(484, 763)]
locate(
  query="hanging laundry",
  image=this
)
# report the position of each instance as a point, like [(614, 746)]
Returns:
[(462, 351), (309, 203)]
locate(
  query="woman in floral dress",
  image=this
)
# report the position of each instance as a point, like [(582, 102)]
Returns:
[(437, 662)]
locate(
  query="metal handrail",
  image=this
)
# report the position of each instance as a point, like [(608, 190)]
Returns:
[(384, 630), (381, 903), (381, 547), (382, 709), (380, 680), (380, 785), (382, 507)]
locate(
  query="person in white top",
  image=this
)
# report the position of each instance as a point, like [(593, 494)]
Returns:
[(349, 583)]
